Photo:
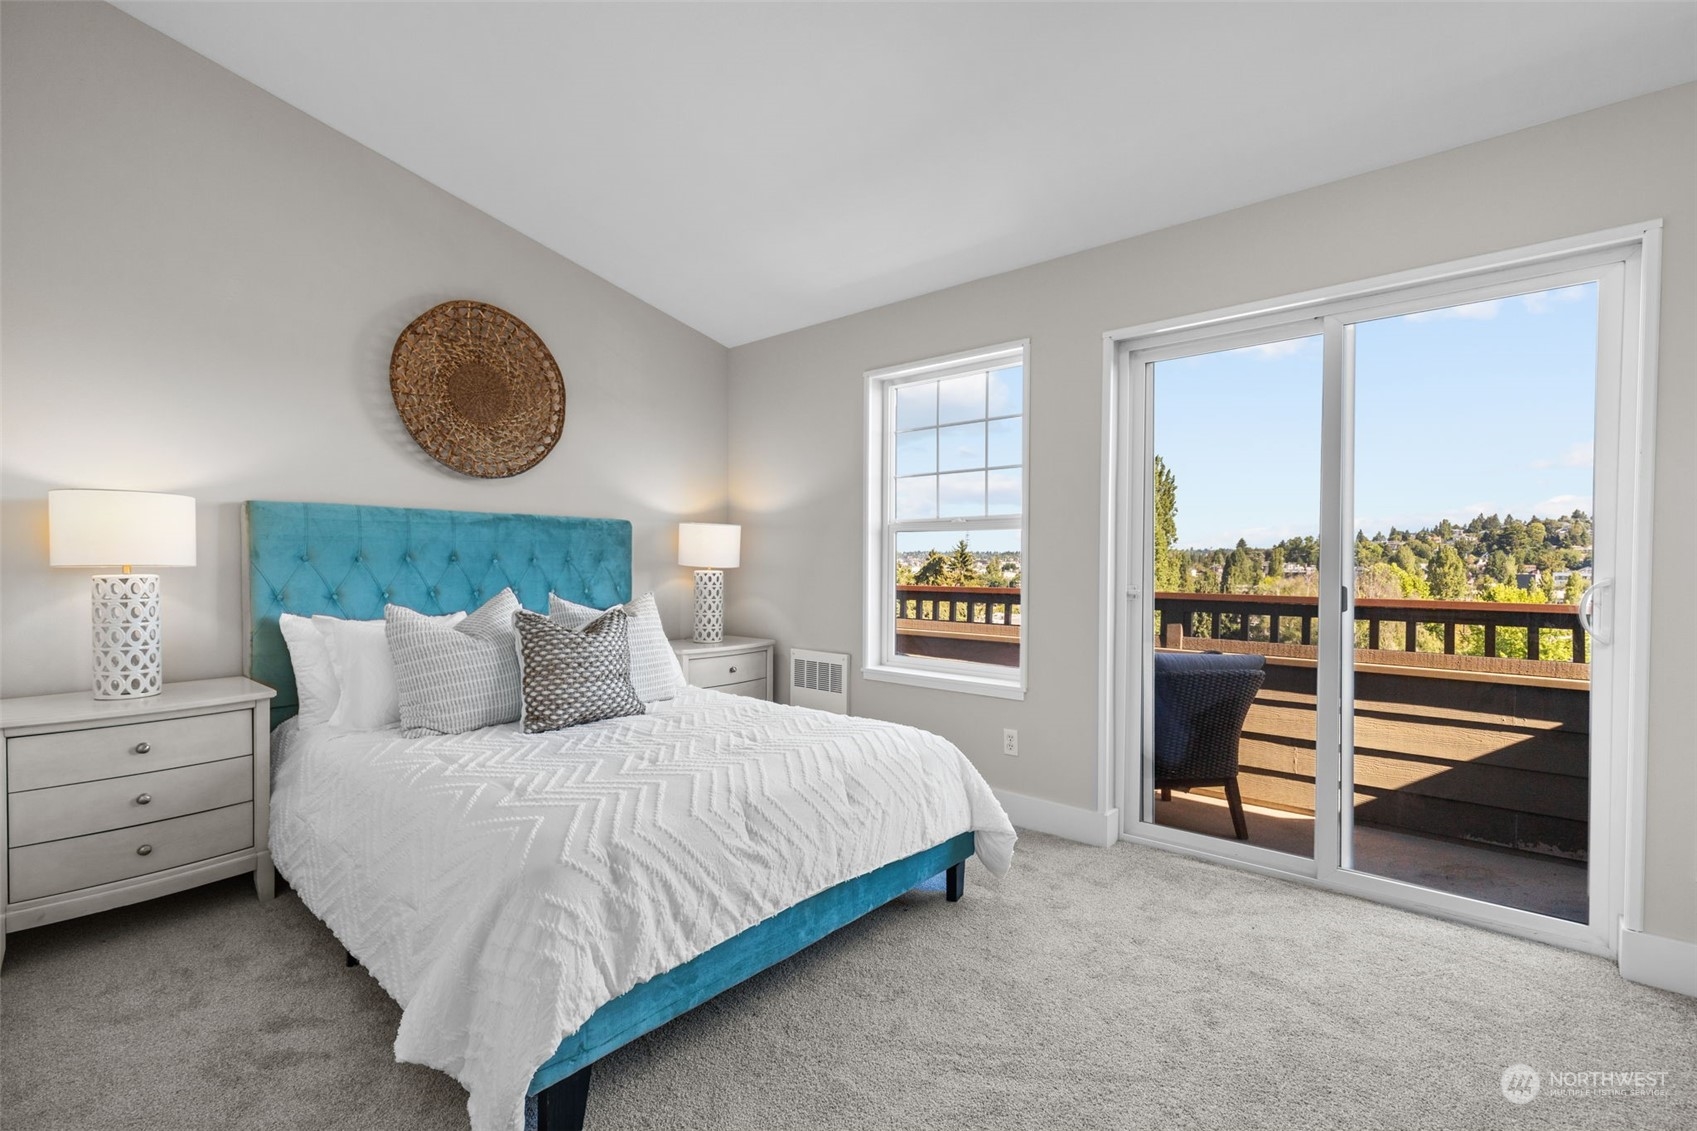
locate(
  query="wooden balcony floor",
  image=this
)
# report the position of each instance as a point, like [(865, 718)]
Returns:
[(1542, 884)]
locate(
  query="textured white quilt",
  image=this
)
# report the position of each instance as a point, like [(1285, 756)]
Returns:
[(503, 886)]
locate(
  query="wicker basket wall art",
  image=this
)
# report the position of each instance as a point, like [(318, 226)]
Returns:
[(477, 389)]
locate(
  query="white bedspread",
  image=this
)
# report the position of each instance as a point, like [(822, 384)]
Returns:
[(503, 886)]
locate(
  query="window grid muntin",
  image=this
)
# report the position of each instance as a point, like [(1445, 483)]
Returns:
[(894, 433), (880, 621)]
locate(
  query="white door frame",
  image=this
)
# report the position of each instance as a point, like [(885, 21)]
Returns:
[(1627, 410)]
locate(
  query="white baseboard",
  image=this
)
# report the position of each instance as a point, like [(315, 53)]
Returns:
[(1655, 960), (1039, 815)]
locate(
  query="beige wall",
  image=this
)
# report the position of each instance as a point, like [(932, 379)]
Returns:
[(796, 408), (201, 288)]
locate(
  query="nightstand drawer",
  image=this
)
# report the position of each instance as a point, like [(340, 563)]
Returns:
[(37, 761), (754, 688), (115, 803), (84, 861), (720, 671)]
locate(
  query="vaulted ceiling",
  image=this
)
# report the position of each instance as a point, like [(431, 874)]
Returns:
[(755, 168)]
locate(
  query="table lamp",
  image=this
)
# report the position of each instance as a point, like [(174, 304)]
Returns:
[(711, 547), (92, 529)]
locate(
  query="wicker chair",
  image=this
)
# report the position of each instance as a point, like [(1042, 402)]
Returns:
[(1201, 700)]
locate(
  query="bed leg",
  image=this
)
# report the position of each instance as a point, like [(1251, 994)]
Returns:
[(954, 882), (561, 1106)]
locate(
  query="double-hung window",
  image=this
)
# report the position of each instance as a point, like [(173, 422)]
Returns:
[(946, 575)]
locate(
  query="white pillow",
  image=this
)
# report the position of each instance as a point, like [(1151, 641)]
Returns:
[(654, 668), (315, 675), (360, 653)]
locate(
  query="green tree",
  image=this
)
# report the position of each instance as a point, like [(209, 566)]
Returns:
[(933, 571), (1576, 586), (1447, 575), (1304, 550), (1243, 570), (1378, 582), (1169, 574), (1413, 583), (1367, 552), (1276, 563), (995, 572), (962, 565), (1500, 567)]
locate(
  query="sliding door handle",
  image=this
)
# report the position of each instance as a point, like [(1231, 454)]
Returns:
[(1588, 612)]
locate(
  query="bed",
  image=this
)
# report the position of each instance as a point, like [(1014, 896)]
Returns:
[(535, 902)]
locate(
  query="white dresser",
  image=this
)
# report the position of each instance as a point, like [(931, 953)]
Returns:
[(740, 665), (111, 802)]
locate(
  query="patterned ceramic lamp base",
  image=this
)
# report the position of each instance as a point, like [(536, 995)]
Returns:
[(126, 636), (709, 606)]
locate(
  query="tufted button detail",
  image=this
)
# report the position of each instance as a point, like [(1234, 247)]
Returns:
[(387, 594), (406, 557), (453, 557), (306, 557)]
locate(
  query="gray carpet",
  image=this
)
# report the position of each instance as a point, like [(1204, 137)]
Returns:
[(1125, 988)]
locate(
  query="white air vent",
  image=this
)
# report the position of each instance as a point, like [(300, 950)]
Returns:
[(819, 680)]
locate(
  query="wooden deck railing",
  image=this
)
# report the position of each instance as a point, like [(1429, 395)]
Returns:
[(1256, 616), (983, 623), (962, 604)]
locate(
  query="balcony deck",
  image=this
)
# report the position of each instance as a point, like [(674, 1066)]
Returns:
[(1471, 770)]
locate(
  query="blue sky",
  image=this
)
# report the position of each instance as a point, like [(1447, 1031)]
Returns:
[(1481, 408)]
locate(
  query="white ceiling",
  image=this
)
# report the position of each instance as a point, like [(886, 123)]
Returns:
[(753, 168)]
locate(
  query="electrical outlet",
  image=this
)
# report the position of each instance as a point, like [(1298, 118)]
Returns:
[(1010, 742)]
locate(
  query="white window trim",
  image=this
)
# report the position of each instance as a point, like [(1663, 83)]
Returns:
[(1637, 249), (879, 661)]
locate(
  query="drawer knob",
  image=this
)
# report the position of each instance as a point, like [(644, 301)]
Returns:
[(733, 669), (143, 747), (144, 850), (144, 798)]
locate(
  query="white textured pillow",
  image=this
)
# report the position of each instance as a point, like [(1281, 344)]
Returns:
[(455, 678), (315, 675), (360, 653), (654, 669)]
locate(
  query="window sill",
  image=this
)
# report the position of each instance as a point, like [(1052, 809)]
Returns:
[(943, 681)]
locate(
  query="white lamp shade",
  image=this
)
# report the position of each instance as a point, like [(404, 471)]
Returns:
[(119, 528), (709, 545)]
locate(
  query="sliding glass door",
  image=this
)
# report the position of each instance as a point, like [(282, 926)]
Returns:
[(1474, 545), (1233, 561), (1361, 551)]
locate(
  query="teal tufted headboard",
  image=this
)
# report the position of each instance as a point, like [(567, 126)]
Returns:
[(349, 561)]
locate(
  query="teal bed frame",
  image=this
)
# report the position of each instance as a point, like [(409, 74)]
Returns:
[(349, 561)]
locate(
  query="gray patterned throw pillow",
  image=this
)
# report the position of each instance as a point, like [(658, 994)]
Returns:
[(455, 678), (574, 676), (654, 670)]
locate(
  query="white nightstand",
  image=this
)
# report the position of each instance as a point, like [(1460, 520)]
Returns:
[(741, 665), (115, 801)]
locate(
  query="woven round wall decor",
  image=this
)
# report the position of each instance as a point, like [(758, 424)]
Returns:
[(477, 389)]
